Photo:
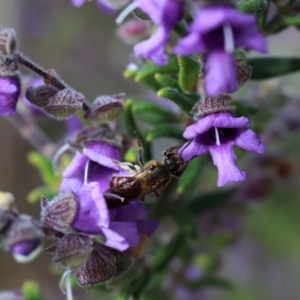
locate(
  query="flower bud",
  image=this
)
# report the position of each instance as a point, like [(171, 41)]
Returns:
[(58, 213), (7, 212), (106, 108), (243, 73), (212, 105), (95, 134), (8, 62), (23, 239), (71, 251), (133, 31), (64, 104), (100, 266), (41, 95)]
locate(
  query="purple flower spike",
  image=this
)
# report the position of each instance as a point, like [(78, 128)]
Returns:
[(94, 165), (218, 133), (9, 93), (165, 14), (217, 31)]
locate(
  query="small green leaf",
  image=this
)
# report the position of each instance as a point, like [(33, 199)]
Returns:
[(166, 253), (203, 202), (273, 66), (152, 113), (150, 69), (189, 68), (252, 6), (210, 281), (291, 21), (164, 130), (151, 83), (194, 168), (129, 122), (45, 168), (35, 194), (166, 81), (182, 100), (31, 291)]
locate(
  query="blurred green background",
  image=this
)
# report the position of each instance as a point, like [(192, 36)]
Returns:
[(81, 46)]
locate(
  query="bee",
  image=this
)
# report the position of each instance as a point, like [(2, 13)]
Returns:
[(144, 179)]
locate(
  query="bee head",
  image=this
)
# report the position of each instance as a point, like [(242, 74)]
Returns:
[(175, 163)]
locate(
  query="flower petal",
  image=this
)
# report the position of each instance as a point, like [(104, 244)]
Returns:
[(227, 120), (78, 3), (221, 74), (131, 212), (147, 226), (202, 125), (224, 159), (195, 148), (250, 141), (103, 154), (121, 235)]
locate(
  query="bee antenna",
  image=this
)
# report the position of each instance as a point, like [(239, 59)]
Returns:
[(187, 144)]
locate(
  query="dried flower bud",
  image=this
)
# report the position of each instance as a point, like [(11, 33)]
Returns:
[(64, 104), (243, 73), (212, 105), (23, 239), (95, 134), (106, 108), (124, 259), (58, 213), (100, 266), (133, 31), (141, 14), (7, 212), (8, 62), (7, 201), (40, 95), (71, 251)]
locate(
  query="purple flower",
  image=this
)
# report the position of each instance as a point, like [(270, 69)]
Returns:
[(120, 226), (108, 6), (165, 14), (217, 31), (9, 93), (218, 133), (95, 164)]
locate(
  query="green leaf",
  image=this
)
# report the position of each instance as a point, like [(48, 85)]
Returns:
[(131, 154), (189, 68), (36, 194), (152, 113), (45, 168), (151, 83), (210, 281), (166, 81), (150, 69), (137, 286), (203, 202), (194, 168), (273, 66), (31, 291), (164, 130), (129, 122), (166, 253), (252, 6), (291, 21), (182, 100)]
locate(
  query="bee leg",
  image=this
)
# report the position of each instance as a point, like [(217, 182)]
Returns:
[(133, 169), (156, 194), (140, 156)]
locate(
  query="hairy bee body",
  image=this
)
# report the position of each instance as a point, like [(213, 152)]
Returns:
[(153, 176)]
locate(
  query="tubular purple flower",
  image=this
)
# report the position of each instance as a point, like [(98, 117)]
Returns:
[(9, 94), (217, 31), (218, 133), (165, 14), (94, 165)]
